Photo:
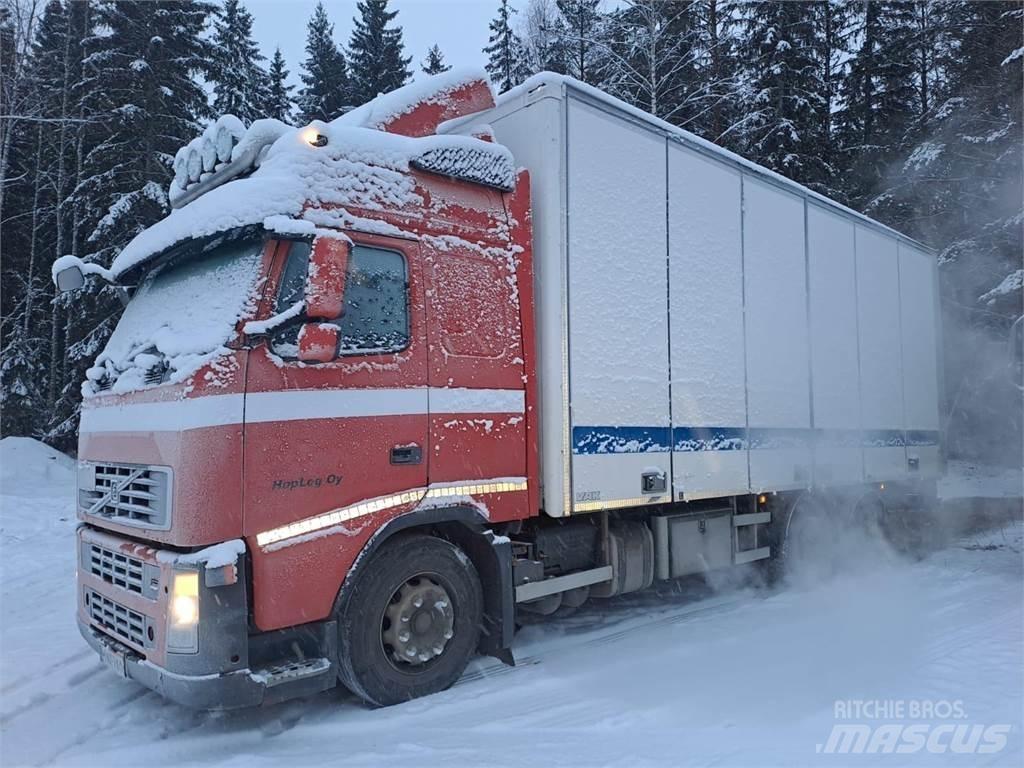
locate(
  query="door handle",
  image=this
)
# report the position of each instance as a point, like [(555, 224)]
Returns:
[(406, 454)]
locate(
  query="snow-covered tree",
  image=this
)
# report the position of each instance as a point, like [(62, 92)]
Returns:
[(542, 33), (716, 110), (279, 103), (375, 51), (961, 184), (879, 112), (584, 39), (434, 63), (505, 62), (783, 126), (143, 96), (326, 91), (40, 158), (144, 93), (652, 62), (239, 80)]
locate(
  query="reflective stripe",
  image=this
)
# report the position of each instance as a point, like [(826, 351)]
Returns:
[(294, 405), (368, 507)]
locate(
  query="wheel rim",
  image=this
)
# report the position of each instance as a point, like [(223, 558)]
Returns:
[(418, 622)]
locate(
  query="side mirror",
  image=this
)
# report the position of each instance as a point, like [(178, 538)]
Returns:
[(69, 279), (318, 342), (68, 273), (325, 280)]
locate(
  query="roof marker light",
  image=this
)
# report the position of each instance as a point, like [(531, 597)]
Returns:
[(313, 137)]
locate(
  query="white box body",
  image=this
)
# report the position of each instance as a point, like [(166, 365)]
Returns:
[(702, 319)]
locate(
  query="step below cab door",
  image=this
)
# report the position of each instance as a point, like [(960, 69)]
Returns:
[(333, 449)]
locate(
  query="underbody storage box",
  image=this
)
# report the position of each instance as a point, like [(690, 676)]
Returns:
[(689, 544)]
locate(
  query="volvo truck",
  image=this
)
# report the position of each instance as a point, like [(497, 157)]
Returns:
[(387, 385)]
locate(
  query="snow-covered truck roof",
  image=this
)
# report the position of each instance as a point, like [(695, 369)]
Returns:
[(291, 180), (545, 83)]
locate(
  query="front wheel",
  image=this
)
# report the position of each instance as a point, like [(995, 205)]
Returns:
[(411, 621)]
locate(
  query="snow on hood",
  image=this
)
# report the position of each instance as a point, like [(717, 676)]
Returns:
[(360, 167)]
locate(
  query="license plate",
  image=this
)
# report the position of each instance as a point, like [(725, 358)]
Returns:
[(115, 661)]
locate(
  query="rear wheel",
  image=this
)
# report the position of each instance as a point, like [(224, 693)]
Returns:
[(411, 621)]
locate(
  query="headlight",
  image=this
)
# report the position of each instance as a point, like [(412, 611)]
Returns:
[(183, 622)]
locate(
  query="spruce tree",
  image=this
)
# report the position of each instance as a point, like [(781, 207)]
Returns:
[(960, 186), (142, 96), (434, 63), (326, 92), (584, 39), (504, 50), (278, 103), (144, 93), (375, 52), (543, 37), (878, 120), (717, 111), (38, 156), (783, 121), (239, 80)]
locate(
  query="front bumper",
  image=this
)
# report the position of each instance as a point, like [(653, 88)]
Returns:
[(123, 603), (230, 690)]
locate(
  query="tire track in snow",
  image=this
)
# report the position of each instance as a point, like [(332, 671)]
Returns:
[(702, 610), (18, 682)]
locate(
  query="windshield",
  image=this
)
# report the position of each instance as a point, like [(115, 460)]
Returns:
[(181, 316)]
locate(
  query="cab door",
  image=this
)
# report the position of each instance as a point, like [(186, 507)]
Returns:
[(329, 436)]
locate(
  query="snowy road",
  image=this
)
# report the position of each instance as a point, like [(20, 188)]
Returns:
[(738, 677)]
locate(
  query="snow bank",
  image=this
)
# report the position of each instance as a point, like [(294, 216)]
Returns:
[(28, 466), (966, 480)]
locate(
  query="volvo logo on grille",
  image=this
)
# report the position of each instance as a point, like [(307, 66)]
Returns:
[(114, 490)]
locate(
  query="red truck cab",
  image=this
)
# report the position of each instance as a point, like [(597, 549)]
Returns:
[(324, 401)]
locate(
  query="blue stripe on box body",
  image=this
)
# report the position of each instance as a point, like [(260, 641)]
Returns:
[(594, 440)]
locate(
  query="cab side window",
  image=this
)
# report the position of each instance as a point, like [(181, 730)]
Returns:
[(375, 317)]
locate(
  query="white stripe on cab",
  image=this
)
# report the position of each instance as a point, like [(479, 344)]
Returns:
[(295, 405)]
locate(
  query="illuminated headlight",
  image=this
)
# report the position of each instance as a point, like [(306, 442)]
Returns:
[(183, 622)]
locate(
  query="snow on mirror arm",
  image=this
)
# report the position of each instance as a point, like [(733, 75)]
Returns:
[(182, 316), (69, 274)]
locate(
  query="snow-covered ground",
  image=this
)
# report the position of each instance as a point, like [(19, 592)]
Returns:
[(691, 676), (964, 479)]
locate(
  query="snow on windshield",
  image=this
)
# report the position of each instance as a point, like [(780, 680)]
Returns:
[(180, 318)]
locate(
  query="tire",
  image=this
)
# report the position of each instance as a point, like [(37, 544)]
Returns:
[(403, 569), (788, 534)]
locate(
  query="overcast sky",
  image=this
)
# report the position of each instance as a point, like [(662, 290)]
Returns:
[(459, 27)]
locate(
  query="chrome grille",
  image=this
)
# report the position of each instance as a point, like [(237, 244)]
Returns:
[(128, 493), (115, 568), (115, 618)]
